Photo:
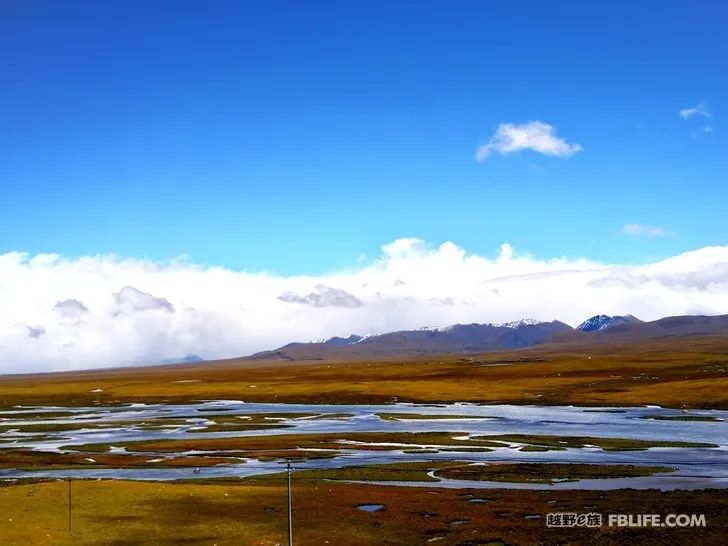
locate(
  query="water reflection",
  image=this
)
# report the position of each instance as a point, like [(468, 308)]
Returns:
[(696, 467)]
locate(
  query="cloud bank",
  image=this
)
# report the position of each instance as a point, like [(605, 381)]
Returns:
[(66, 313), (535, 135)]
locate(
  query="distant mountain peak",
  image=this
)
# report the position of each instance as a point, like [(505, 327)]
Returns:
[(456, 338), (339, 341), (602, 322), (513, 324), (522, 322)]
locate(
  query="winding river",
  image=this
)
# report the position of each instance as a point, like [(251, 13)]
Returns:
[(696, 468)]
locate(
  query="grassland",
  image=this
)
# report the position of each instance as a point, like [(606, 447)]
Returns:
[(678, 373), (545, 473), (256, 445), (24, 459), (212, 451), (675, 373), (383, 441), (401, 471), (459, 470), (242, 512)]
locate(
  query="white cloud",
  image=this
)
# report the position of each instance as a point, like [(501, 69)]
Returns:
[(639, 230), (700, 109), (323, 296), (125, 305), (133, 298), (70, 309), (534, 135)]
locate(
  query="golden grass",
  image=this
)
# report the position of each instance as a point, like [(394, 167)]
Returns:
[(545, 472), (459, 470), (333, 440), (237, 513), (675, 373), (25, 459)]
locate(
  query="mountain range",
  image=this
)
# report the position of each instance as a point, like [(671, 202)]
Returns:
[(602, 322), (479, 338)]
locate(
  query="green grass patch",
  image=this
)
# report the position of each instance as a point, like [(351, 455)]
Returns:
[(545, 472), (540, 448), (401, 472), (338, 416)]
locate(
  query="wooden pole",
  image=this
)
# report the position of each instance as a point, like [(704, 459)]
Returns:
[(69, 504), (290, 515)]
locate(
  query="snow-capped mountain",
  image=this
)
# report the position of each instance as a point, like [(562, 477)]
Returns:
[(602, 322), (522, 322), (481, 338), (513, 325), (464, 338)]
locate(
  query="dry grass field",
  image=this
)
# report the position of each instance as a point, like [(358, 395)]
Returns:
[(254, 513), (678, 372)]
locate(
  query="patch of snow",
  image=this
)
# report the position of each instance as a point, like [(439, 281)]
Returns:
[(522, 322)]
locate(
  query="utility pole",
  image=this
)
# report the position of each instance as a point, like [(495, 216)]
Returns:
[(290, 515), (69, 504)]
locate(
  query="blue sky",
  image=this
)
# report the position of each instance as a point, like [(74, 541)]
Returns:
[(296, 137)]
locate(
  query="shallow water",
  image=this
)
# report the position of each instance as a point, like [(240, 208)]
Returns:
[(696, 467), (370, 507)]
